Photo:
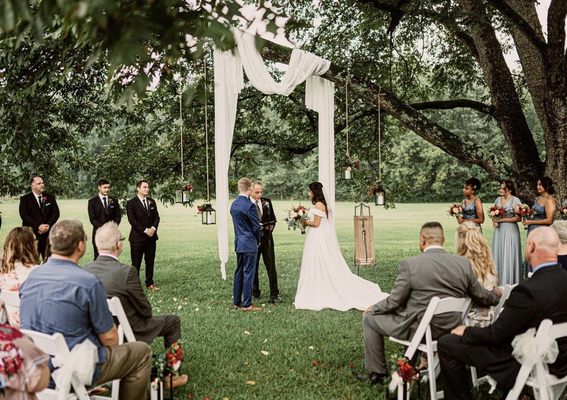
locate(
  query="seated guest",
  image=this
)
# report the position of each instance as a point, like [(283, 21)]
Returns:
[(470, 242), (561, 229), (19, 257), (122, 281), (489, 349), (432, 273), (61, 297), (23, 366)]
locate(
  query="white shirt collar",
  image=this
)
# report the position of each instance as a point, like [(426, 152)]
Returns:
[(143, 198), (108, 255), (432, 246)]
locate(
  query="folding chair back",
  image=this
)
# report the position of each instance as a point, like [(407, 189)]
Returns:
[(124, 328), (506, 290), (545, 385), (436, 306), (55, 346)]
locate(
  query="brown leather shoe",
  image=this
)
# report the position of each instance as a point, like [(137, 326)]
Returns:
[(251, 307), (176, 381)]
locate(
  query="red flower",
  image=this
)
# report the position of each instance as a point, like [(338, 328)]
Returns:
[(405, 370), (314, 363)]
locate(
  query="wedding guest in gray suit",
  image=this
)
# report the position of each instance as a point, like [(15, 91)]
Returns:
[(432, 273), (122, 281)]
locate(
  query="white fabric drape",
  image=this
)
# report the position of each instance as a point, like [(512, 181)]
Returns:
[(319, 94)]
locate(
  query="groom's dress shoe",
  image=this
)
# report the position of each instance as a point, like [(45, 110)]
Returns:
[(273, 300), (374, 378), (251, 307)]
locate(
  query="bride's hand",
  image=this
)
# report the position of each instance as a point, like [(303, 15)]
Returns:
[(304, 222)]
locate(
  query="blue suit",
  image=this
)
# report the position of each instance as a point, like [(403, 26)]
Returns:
[(247, 232)]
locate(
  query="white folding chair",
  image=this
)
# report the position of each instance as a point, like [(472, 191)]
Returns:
[(436, 306), (124, 328), (55, 346), (506, 290), (125, 333), (11, 301), (546, 386)]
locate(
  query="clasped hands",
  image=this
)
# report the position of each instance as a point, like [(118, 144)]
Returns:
[(151, 231), (459, 330), (42, 228)]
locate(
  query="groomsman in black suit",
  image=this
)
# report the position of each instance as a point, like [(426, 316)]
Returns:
[(490, 349), (144, 218), (39, 211), (268, 220), (102, 209)]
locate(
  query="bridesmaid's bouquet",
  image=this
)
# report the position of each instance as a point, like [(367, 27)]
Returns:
[(562, 213), (294, 217), (456, 210), (496, 213), (525, 212)]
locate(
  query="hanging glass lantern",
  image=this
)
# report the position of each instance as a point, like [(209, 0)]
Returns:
[(183, 195), (379, 195), (347, 173), (208, 214)]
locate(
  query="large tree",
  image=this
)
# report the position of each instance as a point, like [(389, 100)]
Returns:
[(466, 40)]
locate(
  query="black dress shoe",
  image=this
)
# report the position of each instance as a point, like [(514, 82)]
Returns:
[(272, 300), (374, 378)]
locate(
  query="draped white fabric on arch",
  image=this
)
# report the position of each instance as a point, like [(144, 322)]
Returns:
[(229, 81)]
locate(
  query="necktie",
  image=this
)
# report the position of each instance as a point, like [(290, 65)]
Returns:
[(145, 205), (39, 199), (258, 211), (104, 203)]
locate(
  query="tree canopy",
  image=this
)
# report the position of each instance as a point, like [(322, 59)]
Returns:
[(435, 68)]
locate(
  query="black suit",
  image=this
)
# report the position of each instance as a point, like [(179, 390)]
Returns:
[(141, 245), (266, 249), (99, 216), (490, 349), (34, 215)]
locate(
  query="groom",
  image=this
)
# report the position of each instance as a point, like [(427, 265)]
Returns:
[(246, 239)]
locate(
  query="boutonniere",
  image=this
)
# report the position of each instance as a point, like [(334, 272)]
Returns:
[(45, 199), (264, 203), (149, 203), (110, 201)]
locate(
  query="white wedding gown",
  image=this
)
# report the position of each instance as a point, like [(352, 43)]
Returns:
[(325, 280)]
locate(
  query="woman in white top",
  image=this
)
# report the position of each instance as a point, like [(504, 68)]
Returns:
[(19, 257), (470, 242), (325, 279)]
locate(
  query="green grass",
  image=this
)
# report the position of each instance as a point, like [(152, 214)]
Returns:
[(223, 346)]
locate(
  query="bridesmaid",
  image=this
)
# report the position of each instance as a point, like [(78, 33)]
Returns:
[(472, 206), (544, 206), (506, 247)]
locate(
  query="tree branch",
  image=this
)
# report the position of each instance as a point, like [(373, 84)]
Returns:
[(516, 19), (456, 103)]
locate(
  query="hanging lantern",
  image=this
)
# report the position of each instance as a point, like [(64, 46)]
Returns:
[(183, 195), (379, 195), (208, 214), (347, 173)]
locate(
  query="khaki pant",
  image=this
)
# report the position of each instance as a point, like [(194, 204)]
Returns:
[(132, 364)]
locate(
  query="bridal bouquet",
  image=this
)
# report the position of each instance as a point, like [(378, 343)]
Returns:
[(456, 210), (294, 217), (496, 213)]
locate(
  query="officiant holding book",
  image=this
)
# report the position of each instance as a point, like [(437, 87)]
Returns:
[(268, 221)]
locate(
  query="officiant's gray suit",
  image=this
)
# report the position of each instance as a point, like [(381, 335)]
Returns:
[(432, 273)]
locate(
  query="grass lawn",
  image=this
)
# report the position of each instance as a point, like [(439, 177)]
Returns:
[(279, 352)]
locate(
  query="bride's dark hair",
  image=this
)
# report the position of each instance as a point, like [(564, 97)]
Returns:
[(317, 190)]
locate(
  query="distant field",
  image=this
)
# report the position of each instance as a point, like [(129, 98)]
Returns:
[(311, 355)]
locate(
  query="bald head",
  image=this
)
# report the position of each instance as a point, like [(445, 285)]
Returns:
[(542, 246)]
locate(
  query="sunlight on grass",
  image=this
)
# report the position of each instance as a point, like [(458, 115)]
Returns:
[(310, 355)]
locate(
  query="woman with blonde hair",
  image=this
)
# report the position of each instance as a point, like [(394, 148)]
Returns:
[(470, 243), (19, 257)]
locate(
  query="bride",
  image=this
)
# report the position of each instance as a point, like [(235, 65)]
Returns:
[(325, 280)]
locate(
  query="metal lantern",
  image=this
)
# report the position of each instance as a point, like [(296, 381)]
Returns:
[(380, 195), (183, 195), (208, 214), (348, 173)]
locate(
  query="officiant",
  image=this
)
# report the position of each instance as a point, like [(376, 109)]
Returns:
[(268, 220)]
